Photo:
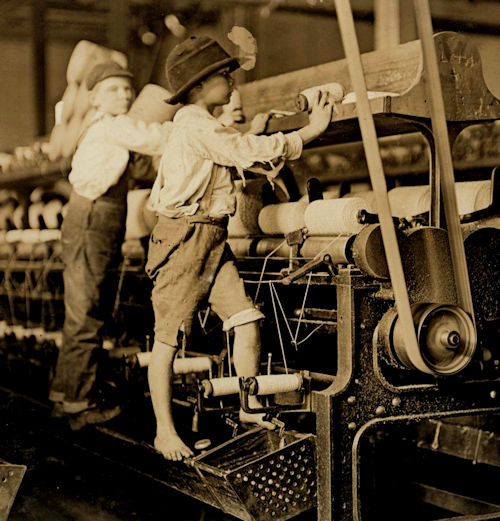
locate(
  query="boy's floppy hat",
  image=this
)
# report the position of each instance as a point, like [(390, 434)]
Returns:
[(191, 61), (103, 70)]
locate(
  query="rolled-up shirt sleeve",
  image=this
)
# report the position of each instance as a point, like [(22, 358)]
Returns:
[(228, 147), (138, 136)]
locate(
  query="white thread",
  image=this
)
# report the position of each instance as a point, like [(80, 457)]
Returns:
[(282, 311), (229, 363), (309, 335), (278, 327), (334, 216), (281, 218), (277, 383), (221, 386), (264, 268), (195, 364), (302, 309)]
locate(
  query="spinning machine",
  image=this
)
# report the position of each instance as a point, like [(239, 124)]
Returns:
[(380, 343)]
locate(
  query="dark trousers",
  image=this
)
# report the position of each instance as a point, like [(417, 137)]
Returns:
[(92, 234)]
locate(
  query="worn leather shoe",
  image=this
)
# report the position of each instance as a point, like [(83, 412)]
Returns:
[(92, 416)]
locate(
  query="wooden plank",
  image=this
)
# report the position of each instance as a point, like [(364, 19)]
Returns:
[(398, 70), (392, 70), (465, 92), (386, 24)]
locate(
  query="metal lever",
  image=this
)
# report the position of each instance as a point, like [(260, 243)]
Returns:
[(309, 266)]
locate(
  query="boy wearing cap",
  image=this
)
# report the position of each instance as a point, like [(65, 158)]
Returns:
[(92, 234), (189, 259)]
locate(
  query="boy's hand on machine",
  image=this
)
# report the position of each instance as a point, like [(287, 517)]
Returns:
[(319, 118), (321, 112)]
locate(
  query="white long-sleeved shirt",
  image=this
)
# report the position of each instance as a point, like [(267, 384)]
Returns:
[(103, 153), (200, 147)]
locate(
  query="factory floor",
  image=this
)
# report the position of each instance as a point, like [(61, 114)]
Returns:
[(64, 481)]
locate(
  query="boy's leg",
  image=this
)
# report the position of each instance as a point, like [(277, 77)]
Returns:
[(160, 375), (246, 354)]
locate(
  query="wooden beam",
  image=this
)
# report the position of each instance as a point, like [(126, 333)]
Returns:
[(386, 23), (372, 153), (440, 132), (118, 25), (38, 53)]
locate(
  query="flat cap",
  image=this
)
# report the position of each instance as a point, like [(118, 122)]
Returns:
[(104, 70)]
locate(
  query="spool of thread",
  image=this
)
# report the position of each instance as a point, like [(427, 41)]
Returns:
[(305, 98), (195, 364), (68, 101), (406, 201), (150, 106), (6, 212), (221, 386), (274, 383), (413, 200), (240, 246), (13, 236), (20, 217), (35, 215), (248, 206), (87, 54), (267, 245), (136, 225), (337, 247), (30, 236), (334, 216), (50, 235), (54, 336), (473, 196), (278, 219), (366, 195), (77, 65), (51, 213)]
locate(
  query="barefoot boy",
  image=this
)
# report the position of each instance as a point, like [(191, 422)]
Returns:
[(189, 259)]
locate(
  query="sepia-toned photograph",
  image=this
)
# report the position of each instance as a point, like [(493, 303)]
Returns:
[(249, 260)]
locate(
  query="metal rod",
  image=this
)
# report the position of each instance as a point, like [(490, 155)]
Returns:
[(440, 130), (375, 168)]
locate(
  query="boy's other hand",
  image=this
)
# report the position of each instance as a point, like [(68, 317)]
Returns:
[(258, 123)]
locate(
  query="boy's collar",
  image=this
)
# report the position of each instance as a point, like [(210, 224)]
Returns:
[(191, 107)]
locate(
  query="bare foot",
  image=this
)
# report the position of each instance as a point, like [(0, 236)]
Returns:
[(257, 418), (172, 447)]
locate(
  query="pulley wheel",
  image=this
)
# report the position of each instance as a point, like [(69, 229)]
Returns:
[(446, 338)]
